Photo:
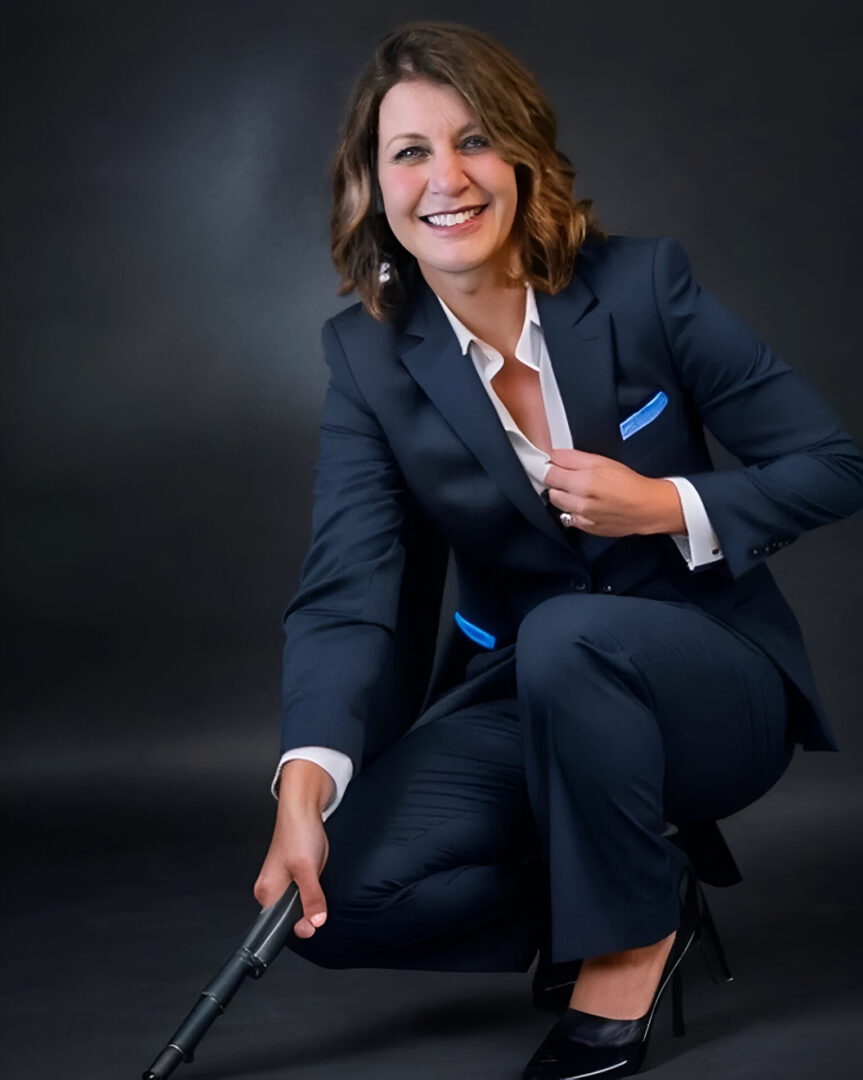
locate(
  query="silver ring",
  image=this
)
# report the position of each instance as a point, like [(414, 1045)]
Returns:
[(566, 519)]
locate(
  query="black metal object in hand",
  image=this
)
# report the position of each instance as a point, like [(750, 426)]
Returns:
[(264, 941)]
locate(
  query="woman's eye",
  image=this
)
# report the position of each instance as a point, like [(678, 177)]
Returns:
[(410, 153)]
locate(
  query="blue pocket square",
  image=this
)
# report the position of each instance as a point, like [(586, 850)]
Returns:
[(474, 632), (644, 415)]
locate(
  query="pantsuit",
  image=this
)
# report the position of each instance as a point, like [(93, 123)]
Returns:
[(616, 716), (534, 779)]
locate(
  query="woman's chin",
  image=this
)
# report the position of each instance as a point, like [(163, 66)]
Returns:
[(456, 263)]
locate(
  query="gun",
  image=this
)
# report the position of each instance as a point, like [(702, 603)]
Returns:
[(264, 941)]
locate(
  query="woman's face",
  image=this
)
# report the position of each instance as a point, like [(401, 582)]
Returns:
[(433, 159)]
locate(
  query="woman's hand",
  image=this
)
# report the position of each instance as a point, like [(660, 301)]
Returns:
[(606, 498), (299, 848)]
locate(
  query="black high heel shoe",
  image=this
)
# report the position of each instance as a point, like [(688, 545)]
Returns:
[(581, 1044)]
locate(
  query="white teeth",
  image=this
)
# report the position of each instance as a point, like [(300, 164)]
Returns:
[(454, 219)]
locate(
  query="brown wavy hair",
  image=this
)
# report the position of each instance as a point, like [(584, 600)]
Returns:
[(550, 225)]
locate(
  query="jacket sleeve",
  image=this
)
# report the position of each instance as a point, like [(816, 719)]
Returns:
[(799, 468), (359, 637)]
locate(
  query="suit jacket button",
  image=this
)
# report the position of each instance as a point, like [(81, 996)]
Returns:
[(607, 588), (579, 586)]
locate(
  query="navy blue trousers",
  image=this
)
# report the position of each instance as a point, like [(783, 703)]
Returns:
[(553, 798)]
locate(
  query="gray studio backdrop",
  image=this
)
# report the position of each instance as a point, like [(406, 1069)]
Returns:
[(166, 275)]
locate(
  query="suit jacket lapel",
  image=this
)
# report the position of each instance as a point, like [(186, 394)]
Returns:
[(581, 351), (578, 337)]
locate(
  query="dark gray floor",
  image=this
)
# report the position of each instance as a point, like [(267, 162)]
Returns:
[(124, 895)]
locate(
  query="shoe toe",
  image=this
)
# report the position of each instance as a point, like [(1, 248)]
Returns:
[(582, 1045), (579, 1060)]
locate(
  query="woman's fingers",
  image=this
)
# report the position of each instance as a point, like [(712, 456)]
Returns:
[(575, 506), (606, 497), (312, 899), (271, 884), (298, 852)]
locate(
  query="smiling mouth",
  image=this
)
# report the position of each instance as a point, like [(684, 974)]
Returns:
[(450, 220)]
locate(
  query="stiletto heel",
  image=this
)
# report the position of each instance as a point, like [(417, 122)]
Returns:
[(710, 945)]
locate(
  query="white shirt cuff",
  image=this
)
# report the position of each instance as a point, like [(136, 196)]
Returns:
[(699, 545), (335, 762)]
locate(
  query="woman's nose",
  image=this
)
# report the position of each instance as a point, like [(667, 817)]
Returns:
[(447, 175)]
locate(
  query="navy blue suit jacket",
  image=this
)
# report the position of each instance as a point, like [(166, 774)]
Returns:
[(414, 461)]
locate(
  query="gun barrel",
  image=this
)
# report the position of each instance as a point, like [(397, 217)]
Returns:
[(164, 1064), (268, 934), (265, 939)]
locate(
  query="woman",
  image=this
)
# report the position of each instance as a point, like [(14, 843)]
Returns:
[(522, 388)]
